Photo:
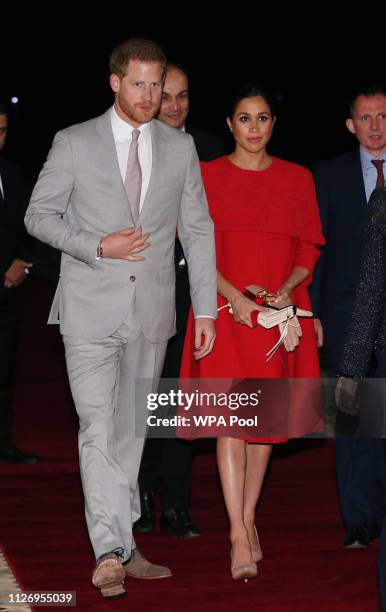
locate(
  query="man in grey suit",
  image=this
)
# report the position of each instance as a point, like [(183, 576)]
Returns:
[(105, 180)]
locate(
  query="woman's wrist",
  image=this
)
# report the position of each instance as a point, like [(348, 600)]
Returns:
[(286, 288), (234, 297)]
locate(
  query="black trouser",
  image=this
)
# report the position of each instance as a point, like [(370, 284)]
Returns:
[(381, 373), (9, 334), (361, 464), (167, 463)]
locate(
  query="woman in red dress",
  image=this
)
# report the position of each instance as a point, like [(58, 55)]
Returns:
[(267, 230)]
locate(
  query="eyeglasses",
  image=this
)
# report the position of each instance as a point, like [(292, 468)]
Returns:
[(3, 130)]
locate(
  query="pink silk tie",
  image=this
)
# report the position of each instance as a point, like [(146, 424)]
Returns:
[(378, 163), (133, 178)]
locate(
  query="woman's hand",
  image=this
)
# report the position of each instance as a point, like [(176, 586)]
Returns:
[(242, 309), (294, 333), (294, 330), (318, 327), (282, 298)]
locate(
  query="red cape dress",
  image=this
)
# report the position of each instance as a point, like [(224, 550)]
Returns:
[(266, 222)]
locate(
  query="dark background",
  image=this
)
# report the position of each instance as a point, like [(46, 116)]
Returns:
[(56, 61), (57, 64)]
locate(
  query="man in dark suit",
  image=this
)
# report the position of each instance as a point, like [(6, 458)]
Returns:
[(15, 261), (344, 185), (167, 463)]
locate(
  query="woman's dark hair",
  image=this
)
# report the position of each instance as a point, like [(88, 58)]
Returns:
[(250, 90)]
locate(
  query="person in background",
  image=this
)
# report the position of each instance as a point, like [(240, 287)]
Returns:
[(167, 463), (15, 264), (344, 185), (364, 351)]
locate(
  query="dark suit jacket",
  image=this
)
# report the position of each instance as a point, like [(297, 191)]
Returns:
[(15, 243), (208, 147), (342, 201)]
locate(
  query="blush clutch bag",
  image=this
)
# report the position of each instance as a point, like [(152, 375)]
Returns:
[(271, 315)]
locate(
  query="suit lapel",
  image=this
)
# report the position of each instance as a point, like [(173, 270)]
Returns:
[(356, 180), (107, 159), (4, 182), (2, 188), (106, 153), (357, 192), (158, 147)]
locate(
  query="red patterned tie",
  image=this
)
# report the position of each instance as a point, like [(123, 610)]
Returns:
[(133, 178), (378, 163)]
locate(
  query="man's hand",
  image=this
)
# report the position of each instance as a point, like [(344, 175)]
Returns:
[(346, 395), (16, 273), (204, 326), (125, 244), (318, 327)]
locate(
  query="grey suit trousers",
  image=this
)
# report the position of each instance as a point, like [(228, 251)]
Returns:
[(102, 375)]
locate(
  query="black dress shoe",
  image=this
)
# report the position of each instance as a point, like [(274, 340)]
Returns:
[(376, 531), (13, 455), (358, 537), (178, 522), (146, 522)]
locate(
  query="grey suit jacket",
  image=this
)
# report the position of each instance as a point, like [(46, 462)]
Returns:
[(80, 197)]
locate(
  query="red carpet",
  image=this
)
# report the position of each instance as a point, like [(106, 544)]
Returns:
[(11, 590), (43, 532)]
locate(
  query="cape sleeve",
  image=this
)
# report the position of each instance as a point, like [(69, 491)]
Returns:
[(310, 235)]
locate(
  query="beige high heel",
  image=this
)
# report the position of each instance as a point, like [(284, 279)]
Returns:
[(243, 572), (257, 555)]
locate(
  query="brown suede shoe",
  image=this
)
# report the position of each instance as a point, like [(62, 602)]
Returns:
[(139, 567), (108, 576)]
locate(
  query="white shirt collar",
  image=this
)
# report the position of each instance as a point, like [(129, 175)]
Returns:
[(122, 130)]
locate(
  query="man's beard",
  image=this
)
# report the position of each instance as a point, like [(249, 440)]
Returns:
[(136, 114)]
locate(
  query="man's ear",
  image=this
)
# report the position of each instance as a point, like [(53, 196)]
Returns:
[(350, 125), (115, 82)]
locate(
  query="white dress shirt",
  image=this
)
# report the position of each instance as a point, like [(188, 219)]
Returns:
[(122, 132)]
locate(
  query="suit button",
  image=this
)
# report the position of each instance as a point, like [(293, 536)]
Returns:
[(132, 278)]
